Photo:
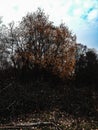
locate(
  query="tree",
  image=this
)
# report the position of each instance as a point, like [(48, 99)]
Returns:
[(86, 68), (42, 44), (9, 42), (81, 51), (4, 52)]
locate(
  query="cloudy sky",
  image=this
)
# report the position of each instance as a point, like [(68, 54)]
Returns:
[(81, 16)]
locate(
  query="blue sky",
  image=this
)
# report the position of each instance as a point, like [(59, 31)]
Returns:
[(81, 16)]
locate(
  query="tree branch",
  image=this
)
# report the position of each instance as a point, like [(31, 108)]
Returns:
[(30, 125)]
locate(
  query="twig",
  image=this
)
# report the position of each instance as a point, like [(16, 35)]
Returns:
[(10, 105), (5, 88)]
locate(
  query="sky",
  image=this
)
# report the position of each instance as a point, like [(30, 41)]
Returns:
[(81, 16)]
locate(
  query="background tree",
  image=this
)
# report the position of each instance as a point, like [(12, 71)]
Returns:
[(4, 52), (86, 66)]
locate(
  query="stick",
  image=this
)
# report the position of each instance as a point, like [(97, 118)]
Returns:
[(28, 125)]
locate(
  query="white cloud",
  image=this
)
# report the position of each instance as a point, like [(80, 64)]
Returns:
[(78, 12), (93, 14)]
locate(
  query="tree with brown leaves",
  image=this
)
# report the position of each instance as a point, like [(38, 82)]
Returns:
[(43, 44)]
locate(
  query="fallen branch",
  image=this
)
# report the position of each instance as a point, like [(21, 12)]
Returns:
[(30, 125)]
